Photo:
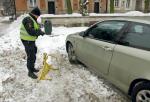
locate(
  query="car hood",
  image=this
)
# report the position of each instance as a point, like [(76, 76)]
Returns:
[(71, 37), (74, 34)]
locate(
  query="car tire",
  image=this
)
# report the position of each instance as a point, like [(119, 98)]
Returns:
[(141, 92), (71, 54)]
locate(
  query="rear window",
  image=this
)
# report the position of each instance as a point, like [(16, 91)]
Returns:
[(138, 36)]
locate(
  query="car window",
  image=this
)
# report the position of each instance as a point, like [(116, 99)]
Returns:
[(106, 30), (137, 36)]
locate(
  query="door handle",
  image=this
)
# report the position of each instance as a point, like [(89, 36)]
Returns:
[(106, 48)]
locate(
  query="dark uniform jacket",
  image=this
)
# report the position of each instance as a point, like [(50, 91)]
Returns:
[(29, 26)]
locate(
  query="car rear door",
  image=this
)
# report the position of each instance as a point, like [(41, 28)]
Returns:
[(131, 57), (96, 48)]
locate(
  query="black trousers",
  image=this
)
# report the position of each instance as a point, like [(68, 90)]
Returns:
[(31, 51)]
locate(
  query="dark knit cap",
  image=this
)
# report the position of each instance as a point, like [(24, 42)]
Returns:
[(36, 11)]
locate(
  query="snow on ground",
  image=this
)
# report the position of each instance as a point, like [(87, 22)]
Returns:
[(130, 13), (63, 15), (135, 13), (74, 83), (4, 23), (57, 39), (4, 18)]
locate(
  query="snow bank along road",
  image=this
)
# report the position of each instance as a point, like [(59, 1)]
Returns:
[(73, 84), (4, 23)]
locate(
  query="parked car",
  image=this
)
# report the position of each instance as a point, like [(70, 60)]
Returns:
[(118, 50)]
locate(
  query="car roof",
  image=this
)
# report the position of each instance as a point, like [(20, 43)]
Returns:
[(145, 21)]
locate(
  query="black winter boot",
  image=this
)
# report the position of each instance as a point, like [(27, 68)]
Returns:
[(32, 75), (35, 70)]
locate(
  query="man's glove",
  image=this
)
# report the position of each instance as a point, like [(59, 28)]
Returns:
[(42, 33)]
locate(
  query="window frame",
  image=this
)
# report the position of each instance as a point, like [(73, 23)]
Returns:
[(33, 3), (128, 3), (119, 33), (132, 23), (116, 3)]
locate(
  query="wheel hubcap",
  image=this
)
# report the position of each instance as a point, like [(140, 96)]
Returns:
[(143, 96)]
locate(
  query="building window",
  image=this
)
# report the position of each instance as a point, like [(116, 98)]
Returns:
[(128, 4), (116, 3), (95, 0), (32, 3)]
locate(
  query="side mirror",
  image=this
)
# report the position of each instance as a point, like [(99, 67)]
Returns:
[(83, 33)]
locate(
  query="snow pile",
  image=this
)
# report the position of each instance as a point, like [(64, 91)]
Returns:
[(4, 18), (11, 39), (135, 13), (62, 15), (5, 75), (72, 84), (51, 44), (130, 13)]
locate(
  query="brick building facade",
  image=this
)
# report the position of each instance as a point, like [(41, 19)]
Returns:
[(94, 6), (59, 6), (128, 5)]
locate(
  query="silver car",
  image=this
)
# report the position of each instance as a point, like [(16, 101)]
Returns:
[(118, 50)]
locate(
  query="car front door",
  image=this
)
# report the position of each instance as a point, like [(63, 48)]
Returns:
[(96, 48)]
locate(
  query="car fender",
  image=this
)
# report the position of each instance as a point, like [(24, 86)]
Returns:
[(135, 79), (71, 39)]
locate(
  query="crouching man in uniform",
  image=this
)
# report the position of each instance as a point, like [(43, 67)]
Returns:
[(29, 32)]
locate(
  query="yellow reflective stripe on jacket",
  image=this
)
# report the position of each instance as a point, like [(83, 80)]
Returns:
[(24, 34)]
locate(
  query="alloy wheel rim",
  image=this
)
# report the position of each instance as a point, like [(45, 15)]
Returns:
[(143, 96)]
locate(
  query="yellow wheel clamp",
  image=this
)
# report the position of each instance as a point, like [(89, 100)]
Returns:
[(46, 68)]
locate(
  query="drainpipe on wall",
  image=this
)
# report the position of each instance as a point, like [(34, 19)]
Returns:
[(111, 6), (106, 6), (15, 9), (69, 7), (146, 6)]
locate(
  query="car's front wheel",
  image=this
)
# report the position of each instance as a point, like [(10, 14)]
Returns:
[(141, 92), (71, 54)]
